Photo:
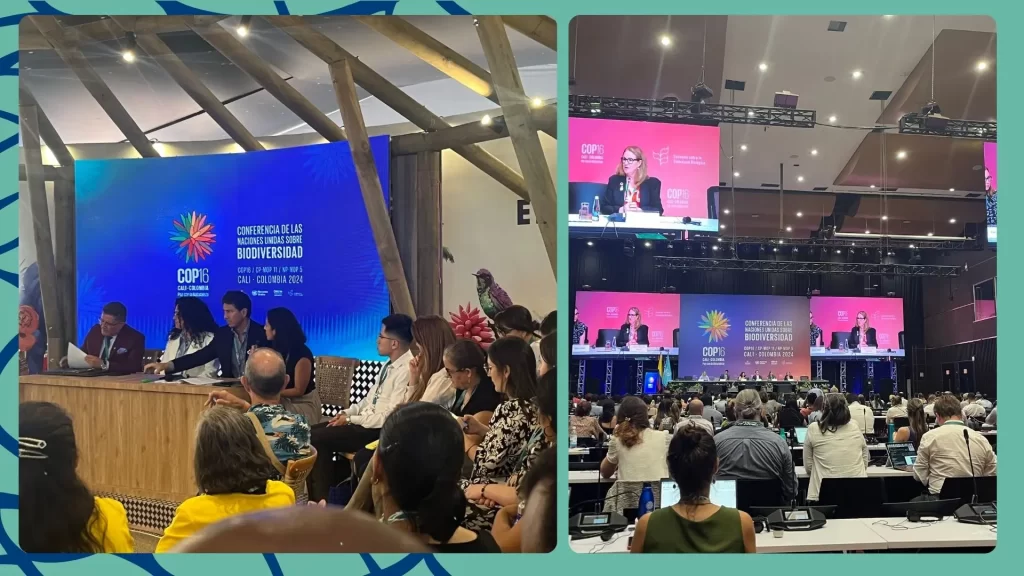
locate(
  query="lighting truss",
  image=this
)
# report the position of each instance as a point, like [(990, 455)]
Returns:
[(973, 129), (838, 242), (672, 111), (717, 264)]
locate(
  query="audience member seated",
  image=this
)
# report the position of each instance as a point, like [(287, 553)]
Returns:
[(860, 414), (358, 425), (749, 451), (57, 511), (194, 328), (816, 409), (466, 364), (703, 377), (583, 425), (972, 409), (495, 498), (539, 522), (918, 424), (112, 344), (943, 452), (790, 416), (772, 406), (428, 380), (416, 471), (897, 410), (548, 352), (264, 380), (517, 321), (722, 402), (607, 418), (985, 403), (233, 474), (808, 405), (711, 412), (694, 524), (636, 454), (285, 335), (695, 417), (929, 407), (834, 446), (991, 419)]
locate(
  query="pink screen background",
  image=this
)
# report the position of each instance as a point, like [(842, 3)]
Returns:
[(607, 310), (685, 158), (837, 314), (990, 163)]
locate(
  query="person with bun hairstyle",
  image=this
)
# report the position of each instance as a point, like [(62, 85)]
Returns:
[(517, 321), (416, 472), (466, 364), (694, 524), (636, 454), (58, 513)]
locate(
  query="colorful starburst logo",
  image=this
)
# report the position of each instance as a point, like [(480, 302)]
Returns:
[(715, 325), (194, 236)]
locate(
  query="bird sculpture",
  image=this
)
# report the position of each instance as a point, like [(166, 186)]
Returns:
[(493, 299)]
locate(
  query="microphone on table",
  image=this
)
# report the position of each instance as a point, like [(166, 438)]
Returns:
[(974, 479), (975, 513)]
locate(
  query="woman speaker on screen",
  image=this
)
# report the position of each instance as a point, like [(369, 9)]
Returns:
[(633, 332), (630, 189), (862, 334)]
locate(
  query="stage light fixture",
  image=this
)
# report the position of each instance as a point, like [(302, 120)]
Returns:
[(931, 233), (814, 151), (775, 249), (952, 220), (647, 244), (665, 40), (857, 74), (726, 211), (789, 228), (884, 217), (786, 99), (901, 155), (952, 190), (763, 67), (799, 214), (128, 53), (832, 119), (799, 178), (700, 93), (715, 248), (486, 120), (721, 226), (735, 174), (590, 242), (867, 231), (750, 113), (872, 186), (743, 147), (981, 66), (838, 251), (243, 26)]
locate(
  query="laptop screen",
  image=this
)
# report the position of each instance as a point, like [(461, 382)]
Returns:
[(901, 454), (723, 493), (801, 433)]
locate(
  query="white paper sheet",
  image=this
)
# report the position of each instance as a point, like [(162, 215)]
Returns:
[(76, 357), (201, 381)]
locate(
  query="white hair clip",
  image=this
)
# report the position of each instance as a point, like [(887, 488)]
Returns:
[(31, 448)]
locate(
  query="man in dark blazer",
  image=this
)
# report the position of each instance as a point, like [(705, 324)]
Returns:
[(113, 345), (230, 345)]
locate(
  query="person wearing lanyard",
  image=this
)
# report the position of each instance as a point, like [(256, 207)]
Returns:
[(360, 424), (943, 452)]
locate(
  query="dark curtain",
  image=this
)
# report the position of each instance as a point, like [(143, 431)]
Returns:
[(983, 353)]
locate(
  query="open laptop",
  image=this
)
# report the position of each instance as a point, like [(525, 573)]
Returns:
[(801, 434), (902, 455), (723, 493)]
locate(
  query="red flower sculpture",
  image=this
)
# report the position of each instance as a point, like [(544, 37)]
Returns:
[(471, 325), (28, 323)]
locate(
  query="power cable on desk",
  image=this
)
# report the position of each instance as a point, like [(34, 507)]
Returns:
[(597, 548), (902, 524)]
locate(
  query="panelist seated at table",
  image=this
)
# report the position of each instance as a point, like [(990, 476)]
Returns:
[(725, 376), (633, 332), (742, 377), (193, 330), (631, 189), (788, 377), (771, 376), (757, 376), (231, 343), (112, 344), (862, 333), (703, 376)]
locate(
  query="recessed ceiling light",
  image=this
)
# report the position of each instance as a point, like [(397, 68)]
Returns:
[(931, 233), (839, 251), (719, 239), (715, 248), (647, 244), (952, 220), (867, 231), (726, 211), (832, 119), (901, 154), (952, 189), (799, 178), (789, 228), (721, 226), (743, 147), (872, 186), (665, 40), (911, 245), (884, 217), (888, 16), (762, 66), (736, 174), (814, 151), (775, 249), (857, 74), (799, 214), (981, 66), (590, 242)]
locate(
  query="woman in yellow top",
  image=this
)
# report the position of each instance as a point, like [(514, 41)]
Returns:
[(58, 514), (233, 474)]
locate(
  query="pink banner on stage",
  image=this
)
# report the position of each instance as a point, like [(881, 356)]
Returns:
[(683, 157), (839, 315), (610, 310)]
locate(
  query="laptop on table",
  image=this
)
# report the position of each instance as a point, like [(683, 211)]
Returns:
[(723, 493), (902, 455)]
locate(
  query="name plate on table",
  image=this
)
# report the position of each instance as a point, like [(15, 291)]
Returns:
[(638, 348), (868, 350), (581, 348), (818, 350)]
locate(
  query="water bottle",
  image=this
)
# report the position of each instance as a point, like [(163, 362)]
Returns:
[(646, 504), (892, 431), (596, 210), (782, 434), (572, 439)]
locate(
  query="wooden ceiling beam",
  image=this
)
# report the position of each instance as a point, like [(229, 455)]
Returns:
[(369, 184), (330, 52), (525, 140), (105, 31), (46, 130), (541, 29), (433, 52), (232, 49), (193, 86), (464, 134), (73, 57)]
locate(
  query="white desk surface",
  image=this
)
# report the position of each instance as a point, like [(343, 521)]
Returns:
[(590, 476), (583, 451), (841, 536)]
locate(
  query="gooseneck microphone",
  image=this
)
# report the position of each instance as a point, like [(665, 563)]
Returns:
[(974, 479)]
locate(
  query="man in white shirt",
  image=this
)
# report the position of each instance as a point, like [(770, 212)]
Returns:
[(943, 452), (972, 409), (929, 407), (358, 425), (861, 415), (985, 403), (695, 418), (898, 410)]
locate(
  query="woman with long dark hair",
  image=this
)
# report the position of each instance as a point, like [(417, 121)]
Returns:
[(193, 330), (789, 416), (834, 446), (285, 335), (694, 524), (517, 321), (416, 472), (636, 454), (57, 511), (233, 473), (918, 424), (607, 418), (548, 353), (431, 336)]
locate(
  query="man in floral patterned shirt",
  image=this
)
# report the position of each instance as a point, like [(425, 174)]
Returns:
[(264, 379)]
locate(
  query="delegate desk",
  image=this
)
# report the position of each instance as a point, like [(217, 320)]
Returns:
[(136, 440), (591, 476)]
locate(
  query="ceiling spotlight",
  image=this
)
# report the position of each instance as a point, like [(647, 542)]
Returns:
[(762, 67), (799, 178), (888, 16), (721, 226), (726, 211), (981, 66), (735, 174), (665, 40), (715, 248), (911, 245), (857, 74), (719, 239), (590, 242), (486, 120), (799, 214), (838, 251), (743, 147), (931, 234), (832, 119), (537, 102), (647, 244), (952, 220), (884, 217), (814, 151), (750, 113), (789, 228), (867, 231), (128, 53), (901, 154), (952, 190), (872, 186), (775, 249), (243, 26)]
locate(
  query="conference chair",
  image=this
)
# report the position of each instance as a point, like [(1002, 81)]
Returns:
[(334, 380), (838, 337), (296, 472), (754, 493), (605, 337), (577, 466), (580, 192), (901, 422), (962, 488), (675, 338), (145, 543), (853, 497)]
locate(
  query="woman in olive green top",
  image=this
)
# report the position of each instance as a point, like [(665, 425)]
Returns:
[(694, 524)]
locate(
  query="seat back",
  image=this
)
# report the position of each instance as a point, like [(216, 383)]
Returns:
[(296, 473), (605, 336), (751, 493), (853, 497), (334, 379), (962, 488)]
